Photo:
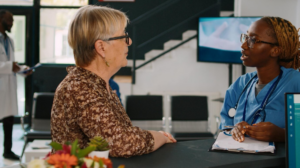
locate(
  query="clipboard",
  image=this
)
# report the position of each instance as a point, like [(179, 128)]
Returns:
[(237, 151), (243, 152)]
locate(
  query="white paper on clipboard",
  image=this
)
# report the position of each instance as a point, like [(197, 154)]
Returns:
[(226, 142)]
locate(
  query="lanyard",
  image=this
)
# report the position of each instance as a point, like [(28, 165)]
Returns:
[(264, 102)]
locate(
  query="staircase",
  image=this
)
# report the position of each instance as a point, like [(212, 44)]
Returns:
[(153, 23), (178, 72)]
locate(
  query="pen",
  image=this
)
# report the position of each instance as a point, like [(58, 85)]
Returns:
[(231, 126)]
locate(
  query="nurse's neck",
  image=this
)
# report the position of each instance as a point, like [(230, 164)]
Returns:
[(267, 73)]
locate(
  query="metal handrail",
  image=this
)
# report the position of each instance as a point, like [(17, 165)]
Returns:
[(160, 55), (147, 15), (174, 27)]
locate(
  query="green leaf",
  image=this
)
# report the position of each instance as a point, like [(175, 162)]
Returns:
[(93, 164), (100, 143), (56, 146), (85, 151), (101, 163), (74, 147)]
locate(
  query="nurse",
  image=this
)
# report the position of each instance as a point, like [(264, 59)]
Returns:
[(254, 103)]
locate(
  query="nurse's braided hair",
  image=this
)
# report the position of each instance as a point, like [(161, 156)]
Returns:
[(287, 37)]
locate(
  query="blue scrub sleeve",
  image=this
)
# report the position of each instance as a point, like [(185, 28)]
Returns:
[(231, 97)]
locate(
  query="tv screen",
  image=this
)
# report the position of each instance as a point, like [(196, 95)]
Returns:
[(219, 38)]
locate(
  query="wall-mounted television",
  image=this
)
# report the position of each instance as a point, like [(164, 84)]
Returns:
[(219, 38)]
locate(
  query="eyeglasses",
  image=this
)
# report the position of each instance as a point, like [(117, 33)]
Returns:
[(120, 37), (251, 40)]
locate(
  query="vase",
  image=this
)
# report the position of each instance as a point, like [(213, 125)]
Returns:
[(103, 154)]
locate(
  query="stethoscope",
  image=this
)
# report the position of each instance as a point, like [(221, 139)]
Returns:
[(232, 111)]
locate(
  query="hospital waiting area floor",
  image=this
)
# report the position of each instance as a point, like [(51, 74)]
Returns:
[(18, 143)]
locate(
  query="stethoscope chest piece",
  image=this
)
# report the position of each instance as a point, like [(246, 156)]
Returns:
[(232, 112)]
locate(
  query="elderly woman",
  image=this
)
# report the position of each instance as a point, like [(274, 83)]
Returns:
[(84, 104)]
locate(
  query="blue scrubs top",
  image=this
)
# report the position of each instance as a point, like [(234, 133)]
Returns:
[(275, 108)]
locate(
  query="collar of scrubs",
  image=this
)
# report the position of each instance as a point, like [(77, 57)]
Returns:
[(260, 110)]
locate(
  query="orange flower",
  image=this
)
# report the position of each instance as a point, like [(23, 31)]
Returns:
[(121, 166), (62, 161), (105, 161)]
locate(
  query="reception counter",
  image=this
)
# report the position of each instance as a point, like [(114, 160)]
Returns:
[(195, 154)]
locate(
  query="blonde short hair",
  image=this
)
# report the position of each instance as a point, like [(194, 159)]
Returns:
[(90, 24)]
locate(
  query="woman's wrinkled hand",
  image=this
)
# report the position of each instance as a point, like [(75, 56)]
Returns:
[(238, 132), (171, 139), (266, 131)]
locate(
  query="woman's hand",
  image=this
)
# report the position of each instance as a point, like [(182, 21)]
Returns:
[(238, 132), (266, 131), (171, 139)]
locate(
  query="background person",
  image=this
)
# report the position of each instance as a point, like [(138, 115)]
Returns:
[(115, 87), (8, 83), (272, 46), (84, 104)]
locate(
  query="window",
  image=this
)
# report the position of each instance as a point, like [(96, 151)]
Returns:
[(17, 2), (54, 25), (64, 2), (21, 95), (18, 36)]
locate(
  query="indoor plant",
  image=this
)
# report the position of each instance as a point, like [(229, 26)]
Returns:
[(101, 147), (70, 155)]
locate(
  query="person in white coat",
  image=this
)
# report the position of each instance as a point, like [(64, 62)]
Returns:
[(8, 83)]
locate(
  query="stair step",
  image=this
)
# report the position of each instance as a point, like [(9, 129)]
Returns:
[(188, 34), (138, 63), (171, 43)]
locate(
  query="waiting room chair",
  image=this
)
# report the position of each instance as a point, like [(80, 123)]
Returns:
[(41, 115), (189, 118), (146, 111)]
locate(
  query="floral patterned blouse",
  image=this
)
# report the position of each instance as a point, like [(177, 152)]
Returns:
[(82, 108)]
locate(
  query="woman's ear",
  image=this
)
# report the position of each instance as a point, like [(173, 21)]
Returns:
[(276, 51), (100, 47)]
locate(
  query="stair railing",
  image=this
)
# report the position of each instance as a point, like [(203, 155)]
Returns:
[(136, 21), (146, 16)]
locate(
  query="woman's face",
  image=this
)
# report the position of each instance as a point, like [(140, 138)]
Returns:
[(260, 54), (117, 51)]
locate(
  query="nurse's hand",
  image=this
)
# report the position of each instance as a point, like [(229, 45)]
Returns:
[(266, 131), (238, 132)]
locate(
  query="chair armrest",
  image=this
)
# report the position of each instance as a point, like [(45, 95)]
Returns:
[(22, 120), (218, 121)]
